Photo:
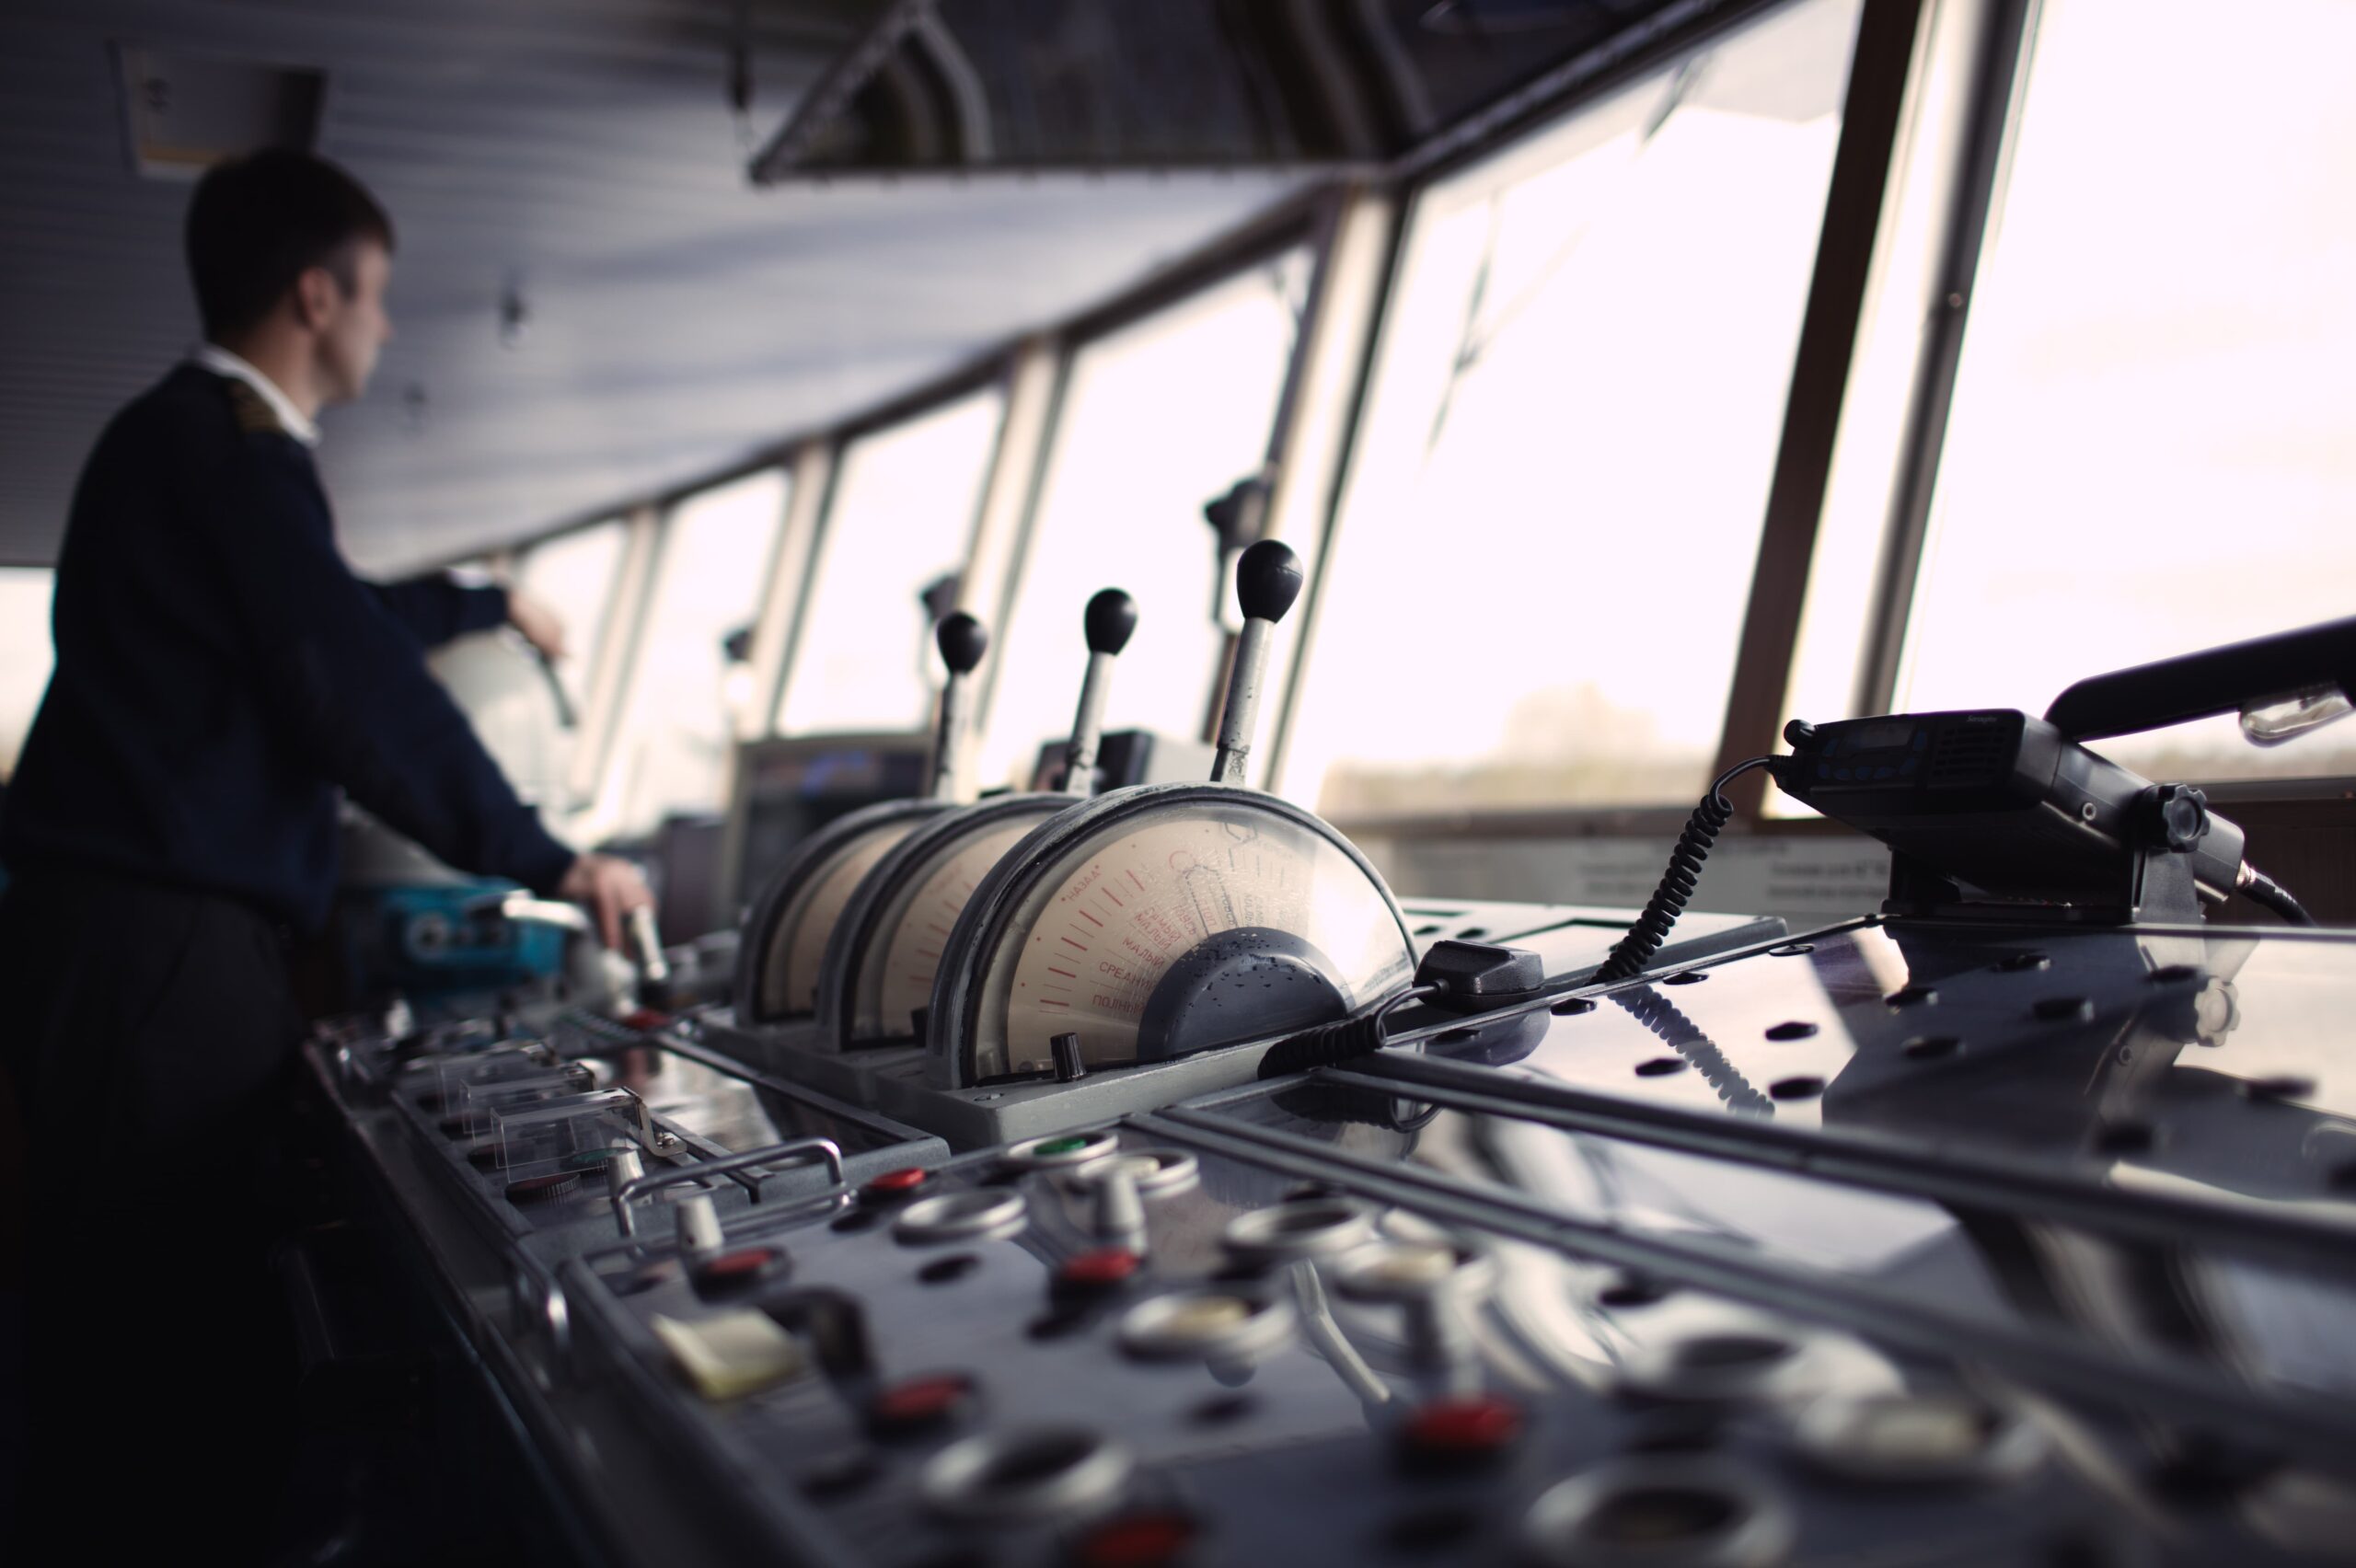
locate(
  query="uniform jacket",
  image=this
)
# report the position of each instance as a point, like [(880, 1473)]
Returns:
[(221, 673)]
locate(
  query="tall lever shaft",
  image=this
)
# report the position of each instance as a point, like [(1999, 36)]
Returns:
[(962, 642), (1267, 580), (1111, 617)]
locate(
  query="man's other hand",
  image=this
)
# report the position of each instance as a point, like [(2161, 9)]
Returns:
[(611, 888), (541, 627)]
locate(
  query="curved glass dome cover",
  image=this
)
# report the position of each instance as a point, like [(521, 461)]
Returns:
[(892, 935), (784, 944), (1157, 921)]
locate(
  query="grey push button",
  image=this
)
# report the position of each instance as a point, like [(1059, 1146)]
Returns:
[(980, 1213), (1305, 1227), (1662, 1514), (1739, 1364), (1213, 1325), (1028, 1474), (1910, 1439)]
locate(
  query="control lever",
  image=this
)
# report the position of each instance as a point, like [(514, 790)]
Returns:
[(523, 908), (1119, 1216), (1111, 619), (962, 642), (1238, 517), (1267, 581), (646, 951)]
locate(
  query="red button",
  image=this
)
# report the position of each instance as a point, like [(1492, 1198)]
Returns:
[(1100, 1270), (646, 1020), (730, 1268), (897, 1183), (543, 1189), (919, 1402), (1154, 1540), (1461, 1431)]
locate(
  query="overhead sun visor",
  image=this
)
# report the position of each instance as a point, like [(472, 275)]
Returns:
[(1014, 86)]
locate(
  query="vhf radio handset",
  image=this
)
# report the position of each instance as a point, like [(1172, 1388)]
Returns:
[(1993, 812), (1994, 808), (2012, 807)]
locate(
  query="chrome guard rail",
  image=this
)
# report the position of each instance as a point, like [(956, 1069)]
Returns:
[(800, 1151)]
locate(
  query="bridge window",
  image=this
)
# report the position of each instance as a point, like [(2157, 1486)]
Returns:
[(25, 655), (573, 575), (688, 682), (2148, 451), (1545, 545), (901, 520), (1156, 419)]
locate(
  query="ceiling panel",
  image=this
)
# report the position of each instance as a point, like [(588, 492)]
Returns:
[(679, 319)]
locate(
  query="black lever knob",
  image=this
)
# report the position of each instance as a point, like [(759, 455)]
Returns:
[(1111, 617), (1267, 580), (962, 642)]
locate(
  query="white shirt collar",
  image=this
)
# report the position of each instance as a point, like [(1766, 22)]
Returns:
[(221, 361)]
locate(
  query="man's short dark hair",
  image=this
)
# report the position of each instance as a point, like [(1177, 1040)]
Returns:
[(259, 222)]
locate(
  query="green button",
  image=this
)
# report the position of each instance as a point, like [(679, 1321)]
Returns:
[(1062, 1145)]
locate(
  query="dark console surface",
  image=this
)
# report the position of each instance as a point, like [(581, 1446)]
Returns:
[(1902, 1242)]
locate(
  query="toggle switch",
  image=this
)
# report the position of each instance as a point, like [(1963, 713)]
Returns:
[(622, 1168), (698, 1222)]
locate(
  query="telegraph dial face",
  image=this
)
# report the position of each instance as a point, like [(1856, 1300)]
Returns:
[(778, 977), (907, 965), (1161, 921)]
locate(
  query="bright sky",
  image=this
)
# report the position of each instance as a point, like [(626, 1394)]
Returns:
[(573, 575), (2151, 450), (1156, 420), (671, 750), (24, 656), (1545, 557), (2148, 454), (901, 516)]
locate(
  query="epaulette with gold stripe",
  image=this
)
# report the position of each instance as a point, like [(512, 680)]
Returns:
[(252, 411)]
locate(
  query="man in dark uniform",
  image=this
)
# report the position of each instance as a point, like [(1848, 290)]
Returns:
[(221, 675)]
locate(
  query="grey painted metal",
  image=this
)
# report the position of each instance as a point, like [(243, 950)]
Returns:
[(1892, 1165), (798, 1151), (1286, 1173), (952, 735), (646, 947), (1240, 714), (1088, 726), (2181, 1391)]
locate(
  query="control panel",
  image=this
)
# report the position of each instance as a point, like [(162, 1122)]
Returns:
[(1126, 1177)]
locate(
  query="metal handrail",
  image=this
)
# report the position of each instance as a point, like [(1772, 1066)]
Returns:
[(800, 1151)]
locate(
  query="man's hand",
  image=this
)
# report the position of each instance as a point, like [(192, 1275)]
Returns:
[(611, 888), (541, 627)]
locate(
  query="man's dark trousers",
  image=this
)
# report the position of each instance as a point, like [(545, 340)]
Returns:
[(150, 1034)]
